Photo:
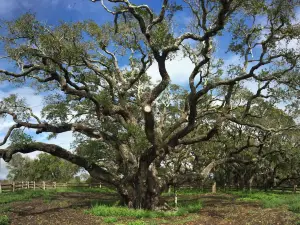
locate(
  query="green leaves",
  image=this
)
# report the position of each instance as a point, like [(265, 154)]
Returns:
[(43, 168), (18, 138)]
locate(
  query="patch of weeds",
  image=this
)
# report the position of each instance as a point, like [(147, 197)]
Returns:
[(192, 207), (137, 222), (108, 202), (272, 200), (4, 220), (24, 195), (110, 220), (4, 208), (294, 207), (105, 210), (117, 211), (189, 206)]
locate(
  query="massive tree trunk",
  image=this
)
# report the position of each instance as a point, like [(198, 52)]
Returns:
[(143, 191)]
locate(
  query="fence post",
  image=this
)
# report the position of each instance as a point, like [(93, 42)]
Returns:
[(13, 186), (54, 185), (22, 187), (44, 185), (100, 186), (295, 188), (34, 185), (175, 197), (28, 187), (214, 187), (0, 188)]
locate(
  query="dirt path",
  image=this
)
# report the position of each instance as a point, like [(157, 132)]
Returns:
[(64, 208), (227, 210), (68, 208)]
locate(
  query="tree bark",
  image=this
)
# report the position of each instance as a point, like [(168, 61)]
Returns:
[(144, 190)]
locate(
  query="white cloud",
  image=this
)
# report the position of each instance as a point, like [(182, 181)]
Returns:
[(36, 103), (178, 68), (33, 100), (3, 170)]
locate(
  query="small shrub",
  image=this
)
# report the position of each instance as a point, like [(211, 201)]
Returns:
[(4, 220)]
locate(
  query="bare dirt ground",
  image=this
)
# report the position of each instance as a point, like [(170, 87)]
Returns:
[(68, 208)]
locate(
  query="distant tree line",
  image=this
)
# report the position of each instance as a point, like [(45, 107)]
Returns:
[(44, 167)]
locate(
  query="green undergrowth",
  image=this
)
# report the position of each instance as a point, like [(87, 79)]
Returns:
[(119, 211), (137, 222), (23, 195), (272, 200), (110, 220), (4, 220)]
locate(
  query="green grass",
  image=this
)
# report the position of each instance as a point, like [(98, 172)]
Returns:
[(137, 222), (118, 211), (86, 189), (191, 207), (4, 220), (23, 195), (110, 220), (272, 200)]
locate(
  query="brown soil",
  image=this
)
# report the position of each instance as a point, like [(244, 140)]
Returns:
[(68, 208)]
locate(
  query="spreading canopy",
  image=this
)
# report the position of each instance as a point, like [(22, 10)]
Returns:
[(95, 83)]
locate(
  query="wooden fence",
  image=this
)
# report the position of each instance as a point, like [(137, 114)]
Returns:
[(213, 188), (15, 186)]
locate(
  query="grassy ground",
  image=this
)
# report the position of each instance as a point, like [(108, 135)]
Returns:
[(272, 200), (100, 206)]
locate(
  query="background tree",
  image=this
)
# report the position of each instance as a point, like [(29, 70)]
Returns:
[(125, 129), (43, 168)]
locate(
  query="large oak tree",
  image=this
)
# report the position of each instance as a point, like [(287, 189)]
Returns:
[(94, 81)]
